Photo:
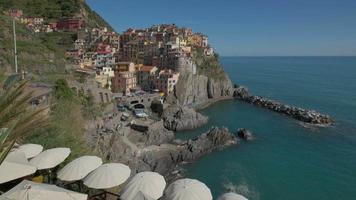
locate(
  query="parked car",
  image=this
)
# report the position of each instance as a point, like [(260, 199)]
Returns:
[(121, 108), (140, 113), (124, 116), (128, 106)]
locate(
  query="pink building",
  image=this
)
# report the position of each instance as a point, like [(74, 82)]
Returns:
[(15, 13), (124, 81), (166, 81)]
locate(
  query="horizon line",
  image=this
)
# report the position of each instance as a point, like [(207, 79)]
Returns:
[(287, 55)]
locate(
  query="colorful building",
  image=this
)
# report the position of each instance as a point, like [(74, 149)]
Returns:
[(166, 81), (104, 76), (124, 82), (70, 24), (15, 13), (125, 77), (145, 76)]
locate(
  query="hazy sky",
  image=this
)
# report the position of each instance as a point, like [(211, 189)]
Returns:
[(248, 27)]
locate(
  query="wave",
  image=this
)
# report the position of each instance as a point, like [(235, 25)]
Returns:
[(243, 189)]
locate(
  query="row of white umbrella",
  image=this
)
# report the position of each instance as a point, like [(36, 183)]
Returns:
[(94, 174), (27, 159)]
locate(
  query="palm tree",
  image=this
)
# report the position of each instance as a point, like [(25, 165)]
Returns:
[(17, 118)]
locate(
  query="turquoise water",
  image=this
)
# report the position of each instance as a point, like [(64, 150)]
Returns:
[(286, 161)]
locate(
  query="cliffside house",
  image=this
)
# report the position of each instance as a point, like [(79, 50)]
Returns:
[(72, 24), (125, 66), (125, 78), (198, 40), (104, 76), (15, 13), (166, 81), (145, 76)]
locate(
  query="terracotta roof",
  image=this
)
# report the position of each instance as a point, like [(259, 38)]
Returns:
[(146, 68)]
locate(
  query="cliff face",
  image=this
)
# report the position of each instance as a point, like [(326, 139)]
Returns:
[(196, 90), (209, 83)]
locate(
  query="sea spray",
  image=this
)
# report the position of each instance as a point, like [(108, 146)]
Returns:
[(242, 188)]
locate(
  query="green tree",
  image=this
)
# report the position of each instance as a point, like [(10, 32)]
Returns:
[(62, 90)]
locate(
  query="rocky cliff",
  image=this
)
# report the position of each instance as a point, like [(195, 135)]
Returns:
[(197, 90)]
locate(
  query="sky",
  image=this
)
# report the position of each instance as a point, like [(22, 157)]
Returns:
[(248, 27)]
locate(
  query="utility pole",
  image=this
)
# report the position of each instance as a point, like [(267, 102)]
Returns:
[(15, 46)]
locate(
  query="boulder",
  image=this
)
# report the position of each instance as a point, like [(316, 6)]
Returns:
[(178, 118), (244, 134)]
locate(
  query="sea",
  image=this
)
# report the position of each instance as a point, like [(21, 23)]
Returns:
[(287, 160)]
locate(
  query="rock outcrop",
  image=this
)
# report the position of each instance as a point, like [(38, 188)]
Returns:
[(196, 90), (301, 114), (244, 134), (154, 150), (178, 118), (214, 139), (166, 157)]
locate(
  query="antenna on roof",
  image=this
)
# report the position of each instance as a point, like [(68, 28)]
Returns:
[(15, 46)]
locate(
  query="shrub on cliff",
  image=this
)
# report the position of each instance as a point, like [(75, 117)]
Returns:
[(208, 65)]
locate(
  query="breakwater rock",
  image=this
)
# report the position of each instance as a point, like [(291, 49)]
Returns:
[(178, 118), (301, 114)]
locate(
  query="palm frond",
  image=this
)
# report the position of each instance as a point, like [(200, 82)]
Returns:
[(17, 116)]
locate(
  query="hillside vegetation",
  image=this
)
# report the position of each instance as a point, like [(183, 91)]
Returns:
[(42, 54), (208, 65)]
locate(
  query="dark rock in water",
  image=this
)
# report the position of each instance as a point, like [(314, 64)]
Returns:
[(244, 134), (304, 115)]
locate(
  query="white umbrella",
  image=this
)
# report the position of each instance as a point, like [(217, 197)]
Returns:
[(79, 168), (28, 190), (31, 150), (50, 158), (15, 166), (107, 176), (142, 196), (149, 183), (232, 196), (188, 189)]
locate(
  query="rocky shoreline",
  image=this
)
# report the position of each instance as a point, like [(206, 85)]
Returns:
[(301, 114), (156, 148)]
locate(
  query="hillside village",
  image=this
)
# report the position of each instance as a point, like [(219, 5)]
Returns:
[(148, 59), (113, 96)]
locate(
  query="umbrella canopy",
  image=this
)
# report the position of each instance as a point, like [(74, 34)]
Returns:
[(15, 166), (50, 158), (79, 168), (151, 184), (142, 196), (28, 190), (188, 189), (232, 196), (31, 150), (107, 176)]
